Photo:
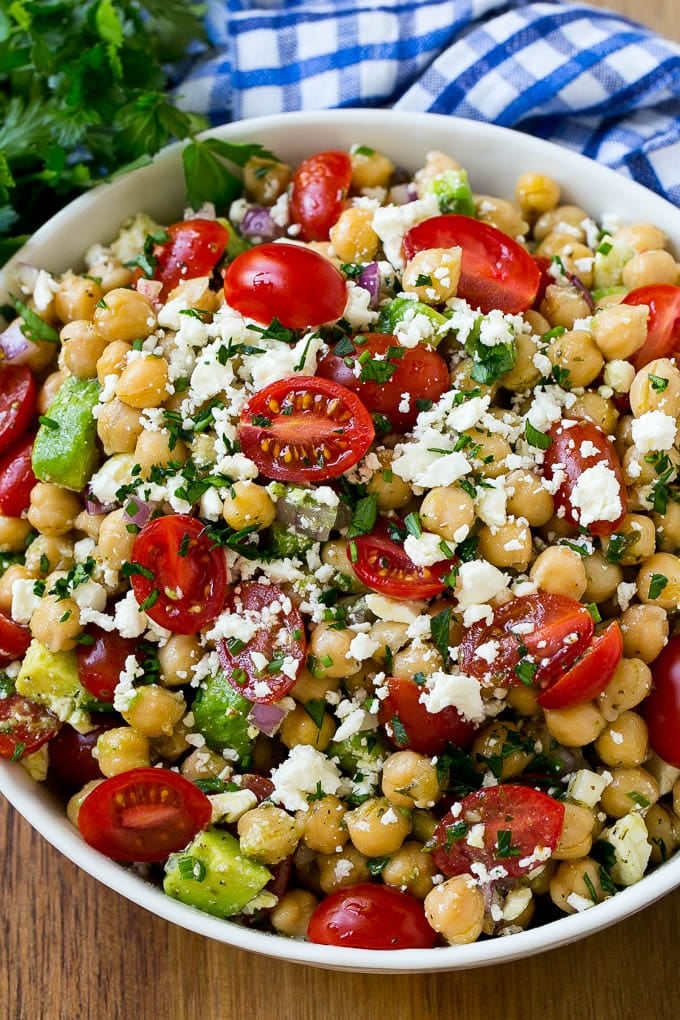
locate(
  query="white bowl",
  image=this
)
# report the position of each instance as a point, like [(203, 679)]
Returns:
[(494, 158)]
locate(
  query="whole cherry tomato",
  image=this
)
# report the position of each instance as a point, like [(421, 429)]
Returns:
[(319, 189), (516, 826), (194, 247), (143, 815), (101, 662), (24, 726), (18, 395), (16, 478), (663, 324), (287, 282), (381, 563), (178, 577), (305, 429), (367, 916), (589, 676), (496, 272), (71, 761), (409, 724), (592, 490), (661, 708), (392, 380)]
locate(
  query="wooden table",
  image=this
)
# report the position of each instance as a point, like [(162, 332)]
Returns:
[(71, 949)]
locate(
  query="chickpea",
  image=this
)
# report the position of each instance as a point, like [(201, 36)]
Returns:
[(560, 570), (439, 268), (338, 871), (537, 194), (264, 180), (648, 268), (659, 581), (567, 219), (124, 314), (299, 727), (53, 510), (154, 711), (576, 725), (391, 491), (324, 827), (645, 632), (14, 532), (631, 788), (563, 304), (334, 553), (352, 236), (144, 382), (81, 348), (15, 572), (76, 801), (448, 511), (268, 833), (89, 524), (603, 578), (119, 425), (416, 659), (620, 330), (507, 545), (48, 553), (330, 648), (121, 749), (600, 410), (502, 740), (528, 498), (523, 374), (77, 297), (249, 506), (411, 868), (389, 634), (487, 452), (663, 827), (55, 622), (49, 390), (370, 169), (580, 878), (640, 539), (631, 683), (502, 215), (177, 657), (111, 273), (624, 742), (436, 163), (641, 236), (310, 688), (115, 541), (113, 359), (411, 780), (292, 914), (656, 387), (667, 527), (158, 449), (522, 700), (575, 839), (376, 828), (455, 908), (203, 763), (576, 352)]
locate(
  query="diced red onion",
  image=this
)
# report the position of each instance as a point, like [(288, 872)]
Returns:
[(95, 506), (149, 289), (402, 194), (258, 222), (16, 347), (369, 279), (138, 511), (582, 289), (266, 718)]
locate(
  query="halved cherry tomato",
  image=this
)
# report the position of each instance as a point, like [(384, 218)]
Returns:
[(279, 638), (18, 395), (409, 724), (14, 640), (514, 823), (194, 247), (179, 578), (305, 429), (661, 708), (663, 324), (573, 451), (382, 564), (496, 272), (143, 815), (545, 280), (16, 478), (101, 663), (589, 676), (368, 916), (545, 632), (24, 726), (319, 189), (287, 282), (410, 374), (71, 760)]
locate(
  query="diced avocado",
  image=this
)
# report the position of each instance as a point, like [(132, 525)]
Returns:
[(403, 310), (65, 447), (453, 193), (610, 258), (285, 542), (51, 679), (213, 875), (220, 714), (367, 749)]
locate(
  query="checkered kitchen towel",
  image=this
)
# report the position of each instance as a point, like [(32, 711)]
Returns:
[(578, 75)]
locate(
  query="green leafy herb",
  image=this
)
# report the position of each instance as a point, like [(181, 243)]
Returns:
[(413, 525), (619, 545), (399, 732), (504, 846), (364, 516), (439, 628), (18, 752), (489, 363), (594, 612), (657, 583), (639, 799), (658, 382), (33, 327), (535, 438), (191, 869), (207, 172), (315, 709), (377, 864), (588, 882), (526, 671), (376, 370), (454, 833)]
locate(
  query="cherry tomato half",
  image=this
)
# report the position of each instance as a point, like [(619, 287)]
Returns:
[(279, 638), (14, 640), (589, 676), (409, 724), (663, 324), (194, 247), (16, 478), (305, 429), (24, 726), (101, 663), (661, 708), (319, 189), (71, 760), (496, 272), (368, 916), (381, 563), (143, 815), (535, 638), (287, 282), (179, 578), (18, 395), (600, 503), (410, 374), (515, 822)]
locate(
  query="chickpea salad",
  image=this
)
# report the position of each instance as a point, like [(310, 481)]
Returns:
[(339, 567)]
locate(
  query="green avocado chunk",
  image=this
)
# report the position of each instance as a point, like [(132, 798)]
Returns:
[(213, 875), (220, 714), (51, 679), (401, 308), (65, 447)]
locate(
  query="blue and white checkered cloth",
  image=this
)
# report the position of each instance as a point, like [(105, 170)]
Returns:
[(580, 76)]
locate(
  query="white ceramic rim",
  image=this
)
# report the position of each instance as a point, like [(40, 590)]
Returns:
[(489, 152)]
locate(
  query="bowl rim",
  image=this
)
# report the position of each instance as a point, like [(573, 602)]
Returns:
[(19, 789)]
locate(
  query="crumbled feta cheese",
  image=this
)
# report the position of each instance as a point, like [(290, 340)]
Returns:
[(597, 495), (479, 582), (654, 430), (445, 690), (629, 839), (391, 222), (304, 770), (425, 549), (586, 787)]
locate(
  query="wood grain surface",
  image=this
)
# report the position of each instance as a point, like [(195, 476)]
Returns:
[(72, 949)]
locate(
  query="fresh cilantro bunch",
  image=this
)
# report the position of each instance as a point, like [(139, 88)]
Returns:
[(83, 94)]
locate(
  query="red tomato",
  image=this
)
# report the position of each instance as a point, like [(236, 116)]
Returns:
[(280, 636), (546, 632), (545, 280), (24, 726), (419, 372), (516, 822), (417, 728), (71, 761), (496, 272), (320, 186), (305, 429), (101, 663), (18, 395), (588, 677), (577, 449), (368, 916), (194, 248), (16, 478), (382, 564), (287, 282), (180, 578), (663, 324), (143, 815), (661, 709), (14, 640)]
